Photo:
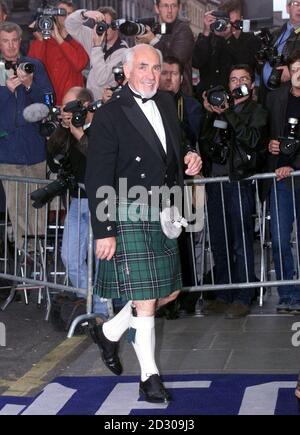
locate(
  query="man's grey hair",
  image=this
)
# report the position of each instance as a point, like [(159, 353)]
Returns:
[(10, 27), (130, 52)]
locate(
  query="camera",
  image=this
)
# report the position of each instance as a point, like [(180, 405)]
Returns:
[(79, 111), (269, 53), (45, 19), (217, 96), (50, 124), (65, 180), (219, 149), (27, 67), (240, 92), (119, 76), (275, 60), (289, 144), (138, 27), (102, 27), (221, 23)]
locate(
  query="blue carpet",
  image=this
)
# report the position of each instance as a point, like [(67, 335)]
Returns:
[(192, 395)]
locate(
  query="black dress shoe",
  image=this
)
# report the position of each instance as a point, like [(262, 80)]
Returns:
[(108, 348), (153, 390)]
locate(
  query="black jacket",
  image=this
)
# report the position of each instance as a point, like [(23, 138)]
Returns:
[(214, 56), (123, 144), (276, 103), (63, 143), (179, 43), (292, 43), (246, 139)]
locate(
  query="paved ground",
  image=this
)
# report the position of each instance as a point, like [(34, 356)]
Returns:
[(260, 343)]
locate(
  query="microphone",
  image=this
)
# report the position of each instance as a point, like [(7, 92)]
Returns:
[(35, 112)]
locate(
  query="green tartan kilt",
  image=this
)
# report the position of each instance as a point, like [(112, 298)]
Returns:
[(146, 264)]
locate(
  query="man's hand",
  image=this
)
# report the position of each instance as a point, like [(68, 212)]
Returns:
[(206, 104), (283, 172), (107, 94), (37, 35), (146, 38), (25, 79), (213, 109), (94, 15), (97, 39), (208, 20), (77, 132), (56, 34), (286, 76), (273, 147), (106, 248), (12, 83), (193, 162)]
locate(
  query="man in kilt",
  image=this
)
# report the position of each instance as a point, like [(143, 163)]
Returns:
[(135, 143)]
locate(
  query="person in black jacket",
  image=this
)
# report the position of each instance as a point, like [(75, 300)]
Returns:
[(283, 105), (72, 142), (215, 52), (286, 40), (230, 144), (178, 41)]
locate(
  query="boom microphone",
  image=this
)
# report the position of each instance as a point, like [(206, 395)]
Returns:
[(35, 112)]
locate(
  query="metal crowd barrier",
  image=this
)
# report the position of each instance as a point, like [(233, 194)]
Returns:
[(37, 263), (33, 261), (264, 268)]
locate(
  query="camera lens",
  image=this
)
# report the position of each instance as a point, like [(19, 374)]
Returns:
[(101, 27), (45, 25), (129, 28), (216, 96), (27, 67), (219, 25), (78, 119)]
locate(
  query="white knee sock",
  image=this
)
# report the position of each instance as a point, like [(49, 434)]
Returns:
[(115, 327), (144, 344)]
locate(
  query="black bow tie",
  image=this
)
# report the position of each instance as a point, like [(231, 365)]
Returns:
[(144, 100)]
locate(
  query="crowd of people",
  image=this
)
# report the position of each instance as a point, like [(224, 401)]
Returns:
[(152, 130)]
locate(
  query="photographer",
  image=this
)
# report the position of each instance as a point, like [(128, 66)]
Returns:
[(120, 81), (72, 142), (188, 108), (190, 115), (105, 48), (222, 45), (22, 148), (63, 57), (283, 105), (179, 42), (286, 41), (230, 144)]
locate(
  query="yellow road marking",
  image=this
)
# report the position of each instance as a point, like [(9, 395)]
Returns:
[(34, 377)]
